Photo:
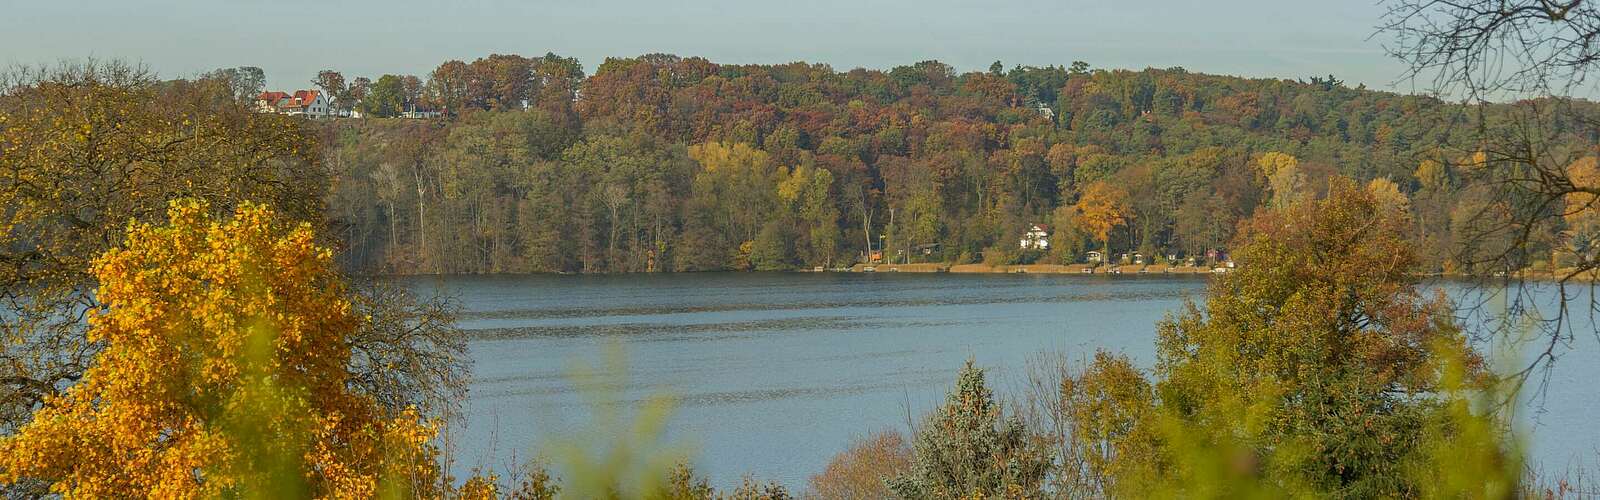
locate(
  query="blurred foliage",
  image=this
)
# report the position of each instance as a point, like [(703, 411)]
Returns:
[(613, 457)]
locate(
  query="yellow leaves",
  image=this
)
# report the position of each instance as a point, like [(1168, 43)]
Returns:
[(1479, 159), (1288, 184), (1388, 196), (790, 186), (734, 159), (1432, 174), (1581, 211), (480, 488), (224, 372), (1102, 208), (1272, 161), (1584, 173)]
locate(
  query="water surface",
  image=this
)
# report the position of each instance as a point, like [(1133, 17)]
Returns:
[(773, 374)]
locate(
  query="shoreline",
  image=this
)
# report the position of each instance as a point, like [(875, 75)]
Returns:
[(917, 268), (933, 267), (1538, 276)]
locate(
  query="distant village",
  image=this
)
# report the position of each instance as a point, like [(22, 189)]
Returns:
[(1034, 243), (1037, 238), (316, 104)]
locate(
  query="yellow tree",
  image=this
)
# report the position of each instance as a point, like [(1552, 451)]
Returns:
[(1288, 185), (804, 194), (1272, 161), (733, 198), (1432, 175), (1388, 196), (86, 147), (1102, 208), (224, 373), (1585, 176), (1582, 210)]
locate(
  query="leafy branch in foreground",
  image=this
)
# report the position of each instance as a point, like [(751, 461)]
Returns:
[(223, 374), (84, 149)]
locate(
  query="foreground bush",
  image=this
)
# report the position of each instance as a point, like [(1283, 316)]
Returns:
[(968, 449), (1317, 369), (224, 373)]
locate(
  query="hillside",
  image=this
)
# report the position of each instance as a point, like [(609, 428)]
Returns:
[(667, 163)]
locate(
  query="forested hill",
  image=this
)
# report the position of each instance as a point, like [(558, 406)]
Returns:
[(665, 163)]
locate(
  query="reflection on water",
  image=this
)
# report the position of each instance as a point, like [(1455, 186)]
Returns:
[(774, 373)]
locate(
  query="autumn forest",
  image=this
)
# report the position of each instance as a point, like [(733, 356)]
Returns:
[(667, 163)]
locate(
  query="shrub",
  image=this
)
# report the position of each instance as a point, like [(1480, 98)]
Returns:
[(1001, 255), (968, 448), (863, 471)]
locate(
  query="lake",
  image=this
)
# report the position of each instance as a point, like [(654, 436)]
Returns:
[(773, 373)]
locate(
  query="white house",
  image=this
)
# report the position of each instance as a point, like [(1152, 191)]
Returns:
[(421, 114), (1036, 238), (1046, 112)]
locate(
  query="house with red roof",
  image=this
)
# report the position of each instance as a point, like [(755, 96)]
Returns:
[(267, 102), (311, 103)]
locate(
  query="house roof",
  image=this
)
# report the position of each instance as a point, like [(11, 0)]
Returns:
[(272, 97), (283, 100), (1042, 227)]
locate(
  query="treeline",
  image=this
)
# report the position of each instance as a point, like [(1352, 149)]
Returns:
[(666, 163)]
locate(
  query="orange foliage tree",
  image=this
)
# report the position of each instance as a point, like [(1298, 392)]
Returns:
[(1102, 208), (223, 374)]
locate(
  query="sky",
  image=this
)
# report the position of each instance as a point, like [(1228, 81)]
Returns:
[(293, 39)]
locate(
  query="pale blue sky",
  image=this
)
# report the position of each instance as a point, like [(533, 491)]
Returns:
[(292, 39)]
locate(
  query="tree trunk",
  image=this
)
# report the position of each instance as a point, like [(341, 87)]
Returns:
[(611, 243), (394, 241), (422, 222), (866, 224)]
